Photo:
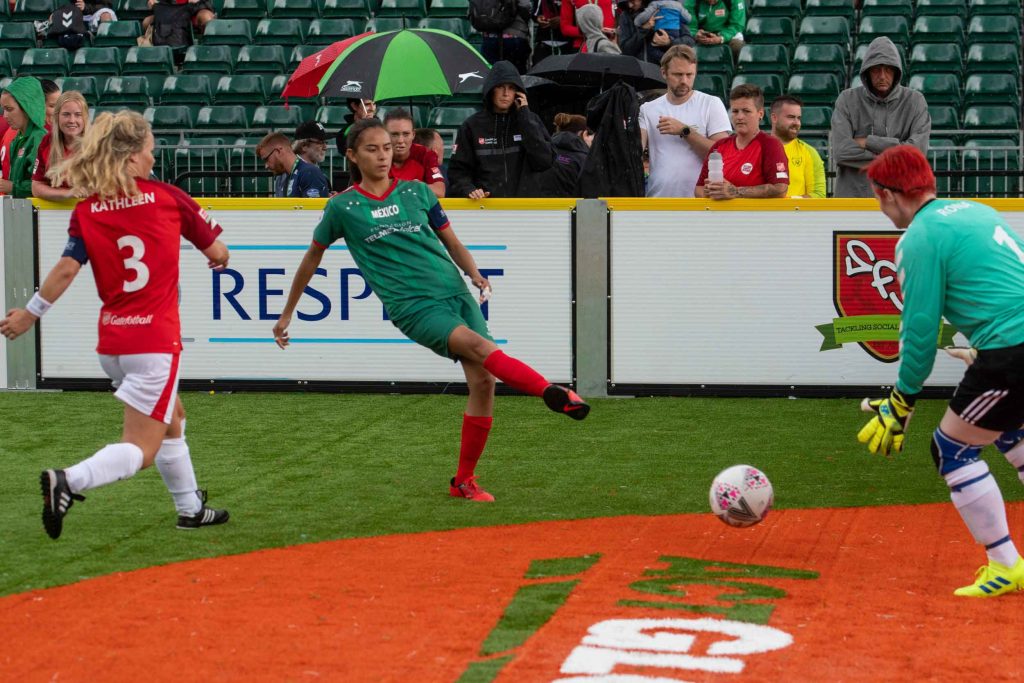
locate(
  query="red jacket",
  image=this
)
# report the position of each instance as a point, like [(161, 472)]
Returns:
[(569, 28)]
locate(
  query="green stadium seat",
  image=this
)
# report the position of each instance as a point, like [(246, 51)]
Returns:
[(327, 31), (712, 84), (280, 32), (831, 8), (213, 59), (819, 57), (332, 117), (449, 118), (118, 33), (997, 154), (346, 9), (279, 118), (995, 28), (128, 91), (941, 29), (944, 117), (770, 30), (825, 29), (776, 8), (132, 10), (45, 63), (993, 88), (896, 28), (816, 117), (268, 59), (716, 59), (943, 156), (34, 10), (17, 35), (935, 57), (820, 144), (246, 89), (902, 8), (992, 117), (188, 88), (937, 88), (294, 9), (448, 8), (228, 32), (994, 7), (385, 24), (222, 117), (197, 156), (87, 85), (460, 27), (7, 63), (152, 60), (5, 82), (300, 52), (243, 9), (97, 61), (169, 117), (936, 8), (105, 108), (993, 58), (763, 58), (770, 84), (411, 9), (819, 89)]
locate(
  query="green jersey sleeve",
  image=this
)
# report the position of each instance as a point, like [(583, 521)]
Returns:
[(329, 229), (922, 280)]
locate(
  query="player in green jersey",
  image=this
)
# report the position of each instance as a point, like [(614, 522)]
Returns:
[(962, 261), (400, 238)]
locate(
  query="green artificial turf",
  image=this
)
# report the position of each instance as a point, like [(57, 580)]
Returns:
[(300, 468)]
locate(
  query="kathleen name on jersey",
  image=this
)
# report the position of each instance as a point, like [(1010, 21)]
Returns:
[(122, 202)]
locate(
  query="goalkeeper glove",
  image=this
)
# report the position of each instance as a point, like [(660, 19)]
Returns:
[(884, 433)]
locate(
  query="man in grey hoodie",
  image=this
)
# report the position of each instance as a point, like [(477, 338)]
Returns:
[(870, 119)]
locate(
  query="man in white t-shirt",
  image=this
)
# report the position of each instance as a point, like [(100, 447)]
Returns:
[(679, 127)]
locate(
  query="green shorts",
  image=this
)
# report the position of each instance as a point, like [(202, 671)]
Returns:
[(431, 322)]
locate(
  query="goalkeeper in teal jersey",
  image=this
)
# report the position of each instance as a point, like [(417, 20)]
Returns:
[(961, 260), (400, 238)]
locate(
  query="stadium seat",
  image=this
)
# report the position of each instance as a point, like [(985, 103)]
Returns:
[(385, 24), (763, 58), (992, 117), (448, 8), (825, 29), (411, 9), (995, 28), (901, 8), (943, 156), (280, 32), (992, 88), (7, 63), (816, 118), (268, 59), (994, 7), (819, 57), (118, 34), (935, 8), (45, 63), (332, 118), (770, 30), (819, 89), (169, 117), (34, 10), (327, 31), (108, 108), (243, 9), (993, 58), (228, 32), (346, 9), (820, 144), (896, 28), (937, 88), (460, 27), (87, 85), (279, 117), (97, 61), (294, 9), (222, 117), (936, 57), (771, 84), (17, 35), (944, 117), (716, 59), (187, 88), (941, 29), (991, 155), (152, 60), (246, 89), (775, 8), (132, 10), (128, 91), (831, 8), (449, 118), (712, 84), (300, 52), (213, 59), (196, 156)]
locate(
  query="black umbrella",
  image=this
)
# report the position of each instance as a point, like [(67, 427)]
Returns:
[(599, 70)]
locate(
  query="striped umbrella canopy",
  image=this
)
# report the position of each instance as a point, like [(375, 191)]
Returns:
[(305, 81), (404, 64)]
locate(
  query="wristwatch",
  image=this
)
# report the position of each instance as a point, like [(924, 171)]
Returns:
[(685, 132)]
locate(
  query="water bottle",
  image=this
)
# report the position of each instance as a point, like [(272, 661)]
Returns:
[(715, 174)]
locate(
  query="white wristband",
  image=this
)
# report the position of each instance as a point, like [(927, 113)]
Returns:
[(37, 305)]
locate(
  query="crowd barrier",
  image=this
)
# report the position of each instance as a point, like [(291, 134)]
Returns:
[(618, 296)]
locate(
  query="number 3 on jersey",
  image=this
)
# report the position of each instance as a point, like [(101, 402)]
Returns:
[(134, 262)]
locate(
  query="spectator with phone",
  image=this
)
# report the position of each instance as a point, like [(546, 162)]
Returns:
[(501, 145)]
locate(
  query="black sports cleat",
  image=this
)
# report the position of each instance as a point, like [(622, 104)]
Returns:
[(565, 401), (205, 517), (57, 500)]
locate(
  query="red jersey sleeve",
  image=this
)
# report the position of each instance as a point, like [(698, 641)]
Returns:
[(42, 160), (774, 163), (196, 226), (431, 168)]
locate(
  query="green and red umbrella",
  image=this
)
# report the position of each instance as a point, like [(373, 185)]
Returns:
[(404, 64), (304, 82)]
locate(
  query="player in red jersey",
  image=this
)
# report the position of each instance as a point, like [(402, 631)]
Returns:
[(411, 161), (130, 228)]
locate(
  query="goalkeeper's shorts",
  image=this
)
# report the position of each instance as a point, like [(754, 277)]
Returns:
[(991, 394)]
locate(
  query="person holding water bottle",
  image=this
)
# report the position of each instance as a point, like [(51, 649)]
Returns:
[(748, 164)]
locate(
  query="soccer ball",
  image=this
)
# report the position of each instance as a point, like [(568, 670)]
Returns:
[(741, 495)]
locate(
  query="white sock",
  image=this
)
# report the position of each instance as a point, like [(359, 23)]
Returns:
[(175, 465), (107, 465), (980, 504)]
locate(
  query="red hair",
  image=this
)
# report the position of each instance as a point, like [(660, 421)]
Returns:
[(902, 169)]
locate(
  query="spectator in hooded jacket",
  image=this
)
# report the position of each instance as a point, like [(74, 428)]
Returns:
[(572, 31), (24, 107), (571, 143), (589, 18), (495, 148), (869, 120)]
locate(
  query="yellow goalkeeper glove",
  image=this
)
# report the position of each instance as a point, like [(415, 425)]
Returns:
[(884, 433)]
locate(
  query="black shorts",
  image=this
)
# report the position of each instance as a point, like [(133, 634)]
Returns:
[(991, 394)]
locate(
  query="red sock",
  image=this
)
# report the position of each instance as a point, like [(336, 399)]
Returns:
[(474, 437), (515, 373)]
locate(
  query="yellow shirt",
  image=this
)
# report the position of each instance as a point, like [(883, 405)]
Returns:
[(806, 170)]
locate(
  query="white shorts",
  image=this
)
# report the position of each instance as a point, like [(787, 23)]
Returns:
[(147, 382)]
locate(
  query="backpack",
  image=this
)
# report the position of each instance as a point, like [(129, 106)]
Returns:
[(492, 16), (67, 25), (172, 25)]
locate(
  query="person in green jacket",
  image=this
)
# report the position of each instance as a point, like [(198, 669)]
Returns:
[(719, 22), (24, 107)]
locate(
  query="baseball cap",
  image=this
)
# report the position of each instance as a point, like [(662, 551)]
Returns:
[(310, 130)]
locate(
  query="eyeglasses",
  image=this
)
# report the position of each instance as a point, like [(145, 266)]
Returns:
[(272, 152)]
